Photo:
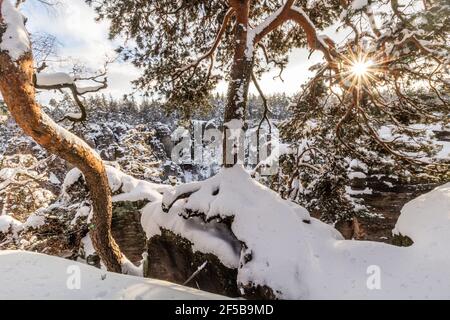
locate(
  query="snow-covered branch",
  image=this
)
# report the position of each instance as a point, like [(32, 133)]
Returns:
[(14, 36), (61, 80)]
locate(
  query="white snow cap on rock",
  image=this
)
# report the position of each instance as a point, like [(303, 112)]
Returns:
[(15, 39), (426, 220), (133, 189), (267, 224)]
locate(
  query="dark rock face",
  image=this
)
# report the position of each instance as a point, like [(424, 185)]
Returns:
[(388, 200), (170, 257), (127, 230)]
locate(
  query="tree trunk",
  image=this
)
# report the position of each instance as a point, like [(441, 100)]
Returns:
[(16, 86), (241, 71)]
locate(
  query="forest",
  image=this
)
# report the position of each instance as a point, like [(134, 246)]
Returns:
[(208, 150)]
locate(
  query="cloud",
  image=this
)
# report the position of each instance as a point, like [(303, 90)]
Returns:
[(82, 39)]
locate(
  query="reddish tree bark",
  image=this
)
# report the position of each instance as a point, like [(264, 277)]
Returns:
[(240, 74)]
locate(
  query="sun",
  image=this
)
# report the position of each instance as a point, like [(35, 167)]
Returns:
[(361, 68)]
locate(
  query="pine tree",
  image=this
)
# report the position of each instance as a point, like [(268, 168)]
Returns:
[(186, 47)]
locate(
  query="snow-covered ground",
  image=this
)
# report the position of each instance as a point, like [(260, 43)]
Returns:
[(26, 275), (275, 243), (372, 270)]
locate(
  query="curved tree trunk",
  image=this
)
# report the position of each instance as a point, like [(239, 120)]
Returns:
[(16, 86)]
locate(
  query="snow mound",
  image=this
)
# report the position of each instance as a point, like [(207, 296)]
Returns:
[(267, 225), (26, 275), (426, 219)]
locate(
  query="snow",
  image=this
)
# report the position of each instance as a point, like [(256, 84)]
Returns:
[(15, 38), (53, 79), (83, 211), (341, 269), (35, 220), (8, 223), (127, 187), (444, 152), (87, 89), (54, 179), (356, 175), (350, 191), (267, 225), (71, 177), (442, 148), (358, 4), (26, 275), (88, 246), (132, 189), (74, 115), (420, 271), (426, 219), (206, 238), (300, 257), (274, 243), (124, 186)]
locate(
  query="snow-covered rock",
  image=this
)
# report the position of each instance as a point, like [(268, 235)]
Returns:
[(426, 220), (299, 257)]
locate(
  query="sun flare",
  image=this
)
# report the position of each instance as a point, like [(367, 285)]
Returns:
[(361, 68)]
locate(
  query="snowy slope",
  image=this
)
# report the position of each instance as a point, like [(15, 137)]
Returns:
[(26, 275)]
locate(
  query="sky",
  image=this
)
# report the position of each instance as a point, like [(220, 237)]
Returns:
[(83, 39)]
